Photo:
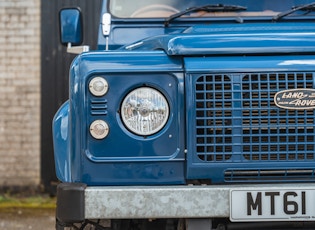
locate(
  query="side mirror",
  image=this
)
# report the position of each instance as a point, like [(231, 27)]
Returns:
[(71, 26)]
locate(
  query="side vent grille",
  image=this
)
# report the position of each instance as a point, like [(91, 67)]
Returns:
[(98, 107)]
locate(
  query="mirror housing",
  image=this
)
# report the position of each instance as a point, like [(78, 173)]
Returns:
[(71, 27)]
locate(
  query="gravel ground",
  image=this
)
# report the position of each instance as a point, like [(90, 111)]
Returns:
[(19, 218)]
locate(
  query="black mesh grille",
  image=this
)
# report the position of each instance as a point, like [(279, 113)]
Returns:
[(237, 119), (214, 117)]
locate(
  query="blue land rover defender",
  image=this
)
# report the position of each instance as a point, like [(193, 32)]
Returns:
[(191, 114)]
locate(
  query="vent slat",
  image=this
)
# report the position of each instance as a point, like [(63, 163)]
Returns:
[(98, 107)]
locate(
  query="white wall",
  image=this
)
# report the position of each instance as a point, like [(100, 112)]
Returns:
[(19, 92)]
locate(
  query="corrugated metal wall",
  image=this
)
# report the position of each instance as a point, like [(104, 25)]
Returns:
[(55, 64)]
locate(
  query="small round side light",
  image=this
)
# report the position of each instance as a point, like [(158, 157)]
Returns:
[(98, 86), (99, 129)]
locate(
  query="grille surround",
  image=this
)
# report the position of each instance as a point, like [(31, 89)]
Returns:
[(237, 122)]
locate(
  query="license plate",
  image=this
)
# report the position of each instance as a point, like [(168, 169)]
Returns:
[(272, 205)]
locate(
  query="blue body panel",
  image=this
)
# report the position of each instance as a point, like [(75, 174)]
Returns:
[(123, 158), (231, 39), (61, 143)]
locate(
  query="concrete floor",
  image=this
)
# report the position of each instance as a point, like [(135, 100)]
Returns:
[(34, 219)]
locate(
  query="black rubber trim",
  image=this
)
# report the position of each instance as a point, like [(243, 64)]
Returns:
[(70, 202)]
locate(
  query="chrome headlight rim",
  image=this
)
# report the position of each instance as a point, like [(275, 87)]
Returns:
[(160, 110)]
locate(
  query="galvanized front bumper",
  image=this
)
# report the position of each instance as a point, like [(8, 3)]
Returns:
[(132, 202), (156, 202)]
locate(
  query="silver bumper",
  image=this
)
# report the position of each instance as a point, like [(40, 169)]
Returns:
[(156, 202), (77, 202), (166, 201)]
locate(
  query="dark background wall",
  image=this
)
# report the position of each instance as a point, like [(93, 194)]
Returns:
[(55, 64)]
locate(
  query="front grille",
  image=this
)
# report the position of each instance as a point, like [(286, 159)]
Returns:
[(214, 117), (238, 121)]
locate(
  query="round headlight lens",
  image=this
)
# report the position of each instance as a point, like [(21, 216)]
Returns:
[(144, 111), (98, 86)]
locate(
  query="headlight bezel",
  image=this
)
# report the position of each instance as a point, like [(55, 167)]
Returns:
[(146, 112)]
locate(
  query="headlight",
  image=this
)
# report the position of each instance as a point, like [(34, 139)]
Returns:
[(99, 129), (98, 86), (144, 111)]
